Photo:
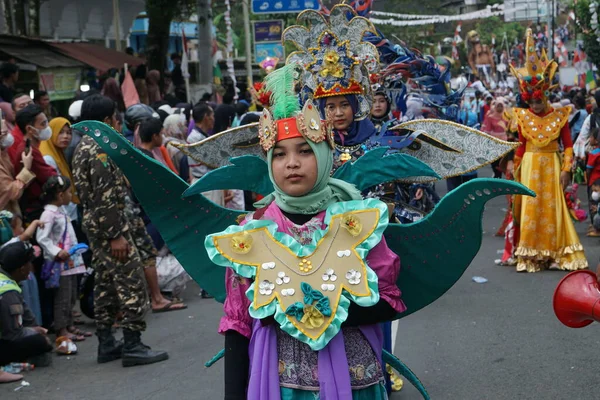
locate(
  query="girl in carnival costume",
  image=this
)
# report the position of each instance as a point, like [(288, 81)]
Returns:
[(283, 362), (547, 236)]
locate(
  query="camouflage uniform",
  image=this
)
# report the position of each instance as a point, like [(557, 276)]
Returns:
[(107, 214)]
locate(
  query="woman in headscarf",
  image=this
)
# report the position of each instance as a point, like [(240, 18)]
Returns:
[(153, 86), (351, 135), (175, 132), (112, 90), (53, 151), (495, 125)]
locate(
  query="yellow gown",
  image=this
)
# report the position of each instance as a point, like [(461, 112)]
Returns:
[(547, 234)]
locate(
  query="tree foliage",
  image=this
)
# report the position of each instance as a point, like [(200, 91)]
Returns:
[(591, 45), (160, 15), (497, 27)]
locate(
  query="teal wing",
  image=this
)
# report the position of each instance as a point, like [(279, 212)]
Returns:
[(244, 173), (437, 250), (375, 167), (183, 223)]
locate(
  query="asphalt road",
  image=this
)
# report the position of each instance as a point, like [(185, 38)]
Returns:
[(498, 340)]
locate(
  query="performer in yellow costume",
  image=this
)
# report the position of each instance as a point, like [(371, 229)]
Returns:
[(547, 235)]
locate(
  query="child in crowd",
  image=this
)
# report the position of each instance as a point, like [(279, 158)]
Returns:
[(593, 176), (56, 238), (11, 231)]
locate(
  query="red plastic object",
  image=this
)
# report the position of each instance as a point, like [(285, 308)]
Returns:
[(577, 299)]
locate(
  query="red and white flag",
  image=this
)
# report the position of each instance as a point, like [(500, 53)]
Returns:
[(130, 94)]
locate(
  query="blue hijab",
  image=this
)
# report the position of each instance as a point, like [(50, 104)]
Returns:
[(358, 132)]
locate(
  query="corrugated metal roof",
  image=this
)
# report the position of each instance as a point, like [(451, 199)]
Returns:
[(97, 56), (35, 52)]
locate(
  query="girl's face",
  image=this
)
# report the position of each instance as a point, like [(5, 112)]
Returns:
[(379, 106), (294, 166), (537, 106), (499, 107), (339, 110), (64, 198), (64, 138)]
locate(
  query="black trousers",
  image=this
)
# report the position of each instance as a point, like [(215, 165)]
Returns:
[(20, 350)]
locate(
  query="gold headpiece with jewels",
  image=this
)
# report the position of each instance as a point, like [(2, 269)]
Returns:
[(284, 119), (535, 79), (335, 58)]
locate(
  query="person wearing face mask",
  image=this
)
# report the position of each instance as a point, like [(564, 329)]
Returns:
[(11, 186), (34, 124)]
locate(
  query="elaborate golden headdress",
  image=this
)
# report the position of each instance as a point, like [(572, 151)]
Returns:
[(535, 79)]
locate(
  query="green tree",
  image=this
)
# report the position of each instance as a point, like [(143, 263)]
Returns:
[(160, 15), (590, 42)]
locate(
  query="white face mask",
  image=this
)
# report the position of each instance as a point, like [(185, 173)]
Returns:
[(595, 196), (44, 134), (7, 141)]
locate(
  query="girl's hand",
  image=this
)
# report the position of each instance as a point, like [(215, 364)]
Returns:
[(30, 231), (565, 179), (63, 255)]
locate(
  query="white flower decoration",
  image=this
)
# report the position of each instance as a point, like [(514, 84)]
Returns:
[(282, 278), (353, 277), (328, 287), (330, 275), (288, 292), (266, 288)]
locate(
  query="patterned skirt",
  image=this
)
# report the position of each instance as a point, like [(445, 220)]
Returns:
[(547, 234)]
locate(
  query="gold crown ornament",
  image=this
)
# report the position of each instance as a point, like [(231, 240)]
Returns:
[(335, 58), (535, 79)]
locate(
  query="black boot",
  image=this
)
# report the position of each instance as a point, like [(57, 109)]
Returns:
[(137, 353), (109, 348)]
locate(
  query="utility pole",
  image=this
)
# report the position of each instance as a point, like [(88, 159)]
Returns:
[(248, 43), (116, 23), (205, 61), (11, 11), (3, 19)]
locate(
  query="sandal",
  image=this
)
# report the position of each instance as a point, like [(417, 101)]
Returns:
[(169, 307), (65, 346), (593, 233), (79, 332), (76, 314)]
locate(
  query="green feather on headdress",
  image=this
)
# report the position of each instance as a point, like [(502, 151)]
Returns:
[(281, 84)]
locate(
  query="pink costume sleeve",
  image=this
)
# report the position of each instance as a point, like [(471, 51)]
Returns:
[(236, 318), (386, 265)]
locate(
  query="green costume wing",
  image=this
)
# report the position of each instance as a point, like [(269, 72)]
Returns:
[(375, 167), (437, 250), (183, 223), (244, 173)]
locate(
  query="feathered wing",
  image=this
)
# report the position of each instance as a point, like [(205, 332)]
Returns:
[(436, 251), (474, 149), (183, 223), (244, 173), (375, 167), (215, 151)]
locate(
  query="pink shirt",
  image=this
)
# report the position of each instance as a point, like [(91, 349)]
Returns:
[(494, 126), (384, 262)]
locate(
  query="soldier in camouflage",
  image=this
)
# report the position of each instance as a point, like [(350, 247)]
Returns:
[(112, 229)]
